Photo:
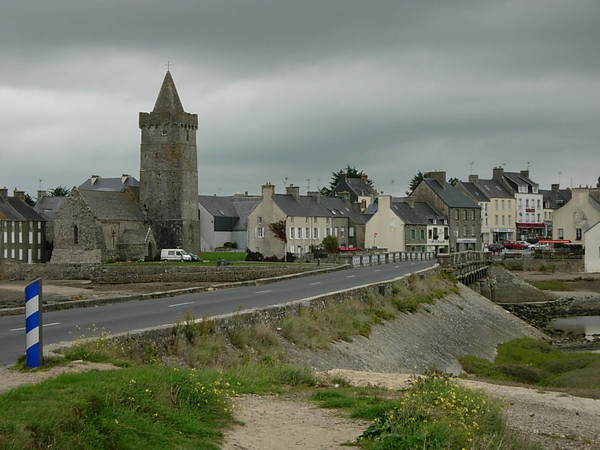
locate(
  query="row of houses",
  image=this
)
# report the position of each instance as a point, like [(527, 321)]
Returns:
[(438, 216)]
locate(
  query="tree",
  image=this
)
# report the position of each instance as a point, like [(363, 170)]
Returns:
[(59, 191), (351, 172), (29, 200), (279, 230), (415, 182), (330, 244), (454, 181)]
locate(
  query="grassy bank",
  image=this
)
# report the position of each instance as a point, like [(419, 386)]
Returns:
[(148, 405), (534, 362)]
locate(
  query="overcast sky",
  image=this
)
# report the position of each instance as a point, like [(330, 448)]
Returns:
[(291, 91)]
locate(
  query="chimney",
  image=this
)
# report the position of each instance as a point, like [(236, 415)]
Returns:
[(344, 194), (40, 194), (439, 175), (94, 178), (498, 173), (364, 177), (316, 195), (473, 178), (268, 190), (525, 173), (384, 201), (555, 187), (4, 193), (19, 194), (410, 201), (294, 191)]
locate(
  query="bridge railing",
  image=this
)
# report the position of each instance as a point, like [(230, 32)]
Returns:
[(375, 259)]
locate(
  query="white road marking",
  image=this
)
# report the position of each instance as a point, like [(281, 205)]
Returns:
[(43, 325), (318, 282), (264, 292), (181, 304), (350, 276)]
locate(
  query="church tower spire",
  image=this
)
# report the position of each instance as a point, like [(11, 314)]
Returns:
[(169, 171)]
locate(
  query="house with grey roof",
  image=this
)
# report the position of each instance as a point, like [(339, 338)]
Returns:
[(225, 219), (554, 198), (579, 214), (401, 224), (22, 230), (498, 208), (95, 226), (48, 207), (308, 220), (529, 222), (463, 213), (359, 190), (97, 183)]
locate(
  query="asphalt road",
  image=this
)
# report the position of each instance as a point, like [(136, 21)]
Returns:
[(68, 325)]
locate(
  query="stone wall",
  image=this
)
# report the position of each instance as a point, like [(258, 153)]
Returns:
[(158, 272), (541, 265)]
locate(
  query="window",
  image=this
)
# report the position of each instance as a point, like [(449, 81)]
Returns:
[(456, 214), (464, 214), (328, 231), (299, 233), (422, 235), (430, 234), (350, 231), (526, 203), (307, 233), (292, 233), (260, 232), (561, 233), (413, 234), (259, 220), (335, 231), (502, 205), (465, 231), (496, 204), (496, 220), (503, 219), (473, 229), (342, 232), (315, 233), (578, 234)]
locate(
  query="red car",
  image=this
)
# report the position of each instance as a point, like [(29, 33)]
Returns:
[(515, 245)]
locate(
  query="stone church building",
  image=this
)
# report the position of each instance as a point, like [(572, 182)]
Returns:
[(134, 222)]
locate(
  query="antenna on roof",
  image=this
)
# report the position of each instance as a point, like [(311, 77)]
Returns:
[(308, 185), (528, 165), (471, 170), (285, 183)]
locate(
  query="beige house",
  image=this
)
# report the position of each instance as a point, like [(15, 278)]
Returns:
[(401, 224), (308, 219), (592, 251), (577, 215)]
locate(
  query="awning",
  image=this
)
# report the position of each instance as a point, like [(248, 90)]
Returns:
[(529, 225)]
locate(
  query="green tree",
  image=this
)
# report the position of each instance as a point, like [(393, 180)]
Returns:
[(330, 244), (279, 230), (29, 200), (59, 191), (454, 181), (415, 182), (351, 172)]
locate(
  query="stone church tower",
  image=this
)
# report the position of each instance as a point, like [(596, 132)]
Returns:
[(169, 171)]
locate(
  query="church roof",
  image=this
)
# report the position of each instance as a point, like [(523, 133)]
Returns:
[(168, 98), (112, 206)]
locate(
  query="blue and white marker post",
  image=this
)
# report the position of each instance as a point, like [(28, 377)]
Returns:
[(33, 323)]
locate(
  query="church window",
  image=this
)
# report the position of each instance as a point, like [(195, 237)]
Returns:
[(164, 132), (75, 235), (187, 135)]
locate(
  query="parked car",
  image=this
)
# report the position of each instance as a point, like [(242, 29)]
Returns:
[(495, 247), (539, 246), (174, 254), (515, 245)]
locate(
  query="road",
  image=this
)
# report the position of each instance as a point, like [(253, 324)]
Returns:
[(68, 325)]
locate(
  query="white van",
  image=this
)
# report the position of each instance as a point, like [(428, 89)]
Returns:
[(174, 254)]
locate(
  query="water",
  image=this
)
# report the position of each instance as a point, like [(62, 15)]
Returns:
[(588, 325)]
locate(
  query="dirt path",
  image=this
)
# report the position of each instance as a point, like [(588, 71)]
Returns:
[(556, 420)]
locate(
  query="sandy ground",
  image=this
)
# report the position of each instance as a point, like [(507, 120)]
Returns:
[(555, 420)]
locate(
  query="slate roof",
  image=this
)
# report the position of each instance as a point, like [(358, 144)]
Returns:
[(493, 189), (112, 206), (419, 214), (356, 187), (451, 196), (108, 184), (235, 208), (555, 199), (309, 206), (14, 209), (519, 179), (48, 207)]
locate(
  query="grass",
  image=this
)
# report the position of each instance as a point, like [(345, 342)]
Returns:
[(550, 285), (434, 412), (536, 362), (145, 405)]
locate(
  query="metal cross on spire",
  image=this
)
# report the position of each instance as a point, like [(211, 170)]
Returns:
[(168, 64)]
